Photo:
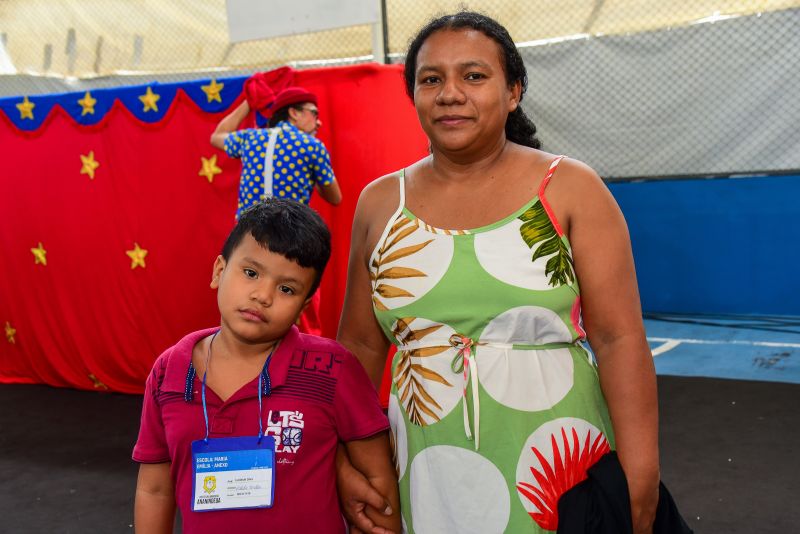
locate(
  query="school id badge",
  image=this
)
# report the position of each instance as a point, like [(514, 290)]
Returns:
[(233, 473)]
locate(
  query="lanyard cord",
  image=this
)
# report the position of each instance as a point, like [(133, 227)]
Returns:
[(264, 387), (265, 383)]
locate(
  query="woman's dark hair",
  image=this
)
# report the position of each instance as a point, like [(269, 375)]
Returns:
[(288, 228), (519, 128), (283, 114)]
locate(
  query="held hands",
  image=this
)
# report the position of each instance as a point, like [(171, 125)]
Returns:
[(356, 493), (644, 501)]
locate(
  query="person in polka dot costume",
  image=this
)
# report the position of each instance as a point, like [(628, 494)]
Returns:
[(299, 163)]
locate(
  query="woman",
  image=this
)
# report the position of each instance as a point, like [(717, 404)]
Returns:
[(487, 263)]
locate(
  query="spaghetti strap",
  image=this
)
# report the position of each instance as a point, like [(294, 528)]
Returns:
[(402, 204), (543, 200), (402, 180), (550, 172)]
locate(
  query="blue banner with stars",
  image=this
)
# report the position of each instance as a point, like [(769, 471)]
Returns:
[(148, 103)]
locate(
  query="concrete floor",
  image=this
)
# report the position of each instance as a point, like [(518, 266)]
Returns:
[(727, 444)]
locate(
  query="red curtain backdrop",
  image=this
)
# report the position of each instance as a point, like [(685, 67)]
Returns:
[(92, 317)]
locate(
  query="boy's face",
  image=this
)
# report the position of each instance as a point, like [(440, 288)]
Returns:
[(260, 293)]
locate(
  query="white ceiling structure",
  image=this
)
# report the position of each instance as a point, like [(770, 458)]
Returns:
[(99, 38)]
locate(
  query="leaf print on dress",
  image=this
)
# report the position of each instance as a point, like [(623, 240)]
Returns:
[(407, 263), (538, 229), (398, 439), (389, 253), (422, 373), (506, 257), (556, 458)]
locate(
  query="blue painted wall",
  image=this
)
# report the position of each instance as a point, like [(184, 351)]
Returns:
[(716, 246)]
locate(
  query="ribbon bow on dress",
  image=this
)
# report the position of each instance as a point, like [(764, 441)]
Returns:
[(464, 362)]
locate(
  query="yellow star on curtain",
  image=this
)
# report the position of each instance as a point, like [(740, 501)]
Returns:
[(137, 256), (39, 255), (149, 100), (89, 164), (87, 103), (212, 91), (10, 333), (26, 109), (209, 169), (96, 382)]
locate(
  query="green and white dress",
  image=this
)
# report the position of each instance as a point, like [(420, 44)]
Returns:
[(495, 405)]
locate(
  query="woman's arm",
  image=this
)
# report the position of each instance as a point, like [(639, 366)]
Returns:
[(229, 124), (359, 330), (360, 333), (613, 321), (154, 507)]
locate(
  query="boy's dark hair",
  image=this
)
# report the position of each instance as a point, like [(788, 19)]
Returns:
[(519, 128), (288, 228)]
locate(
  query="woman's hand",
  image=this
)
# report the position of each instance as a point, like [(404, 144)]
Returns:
[(360, 333), (355, 494), (644, 501)]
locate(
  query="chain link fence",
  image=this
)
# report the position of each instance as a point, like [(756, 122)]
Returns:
[(636, 88)]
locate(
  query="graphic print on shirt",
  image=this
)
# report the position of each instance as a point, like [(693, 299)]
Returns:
[(408, 263), (555, 458), (423, 370), (287, 428)]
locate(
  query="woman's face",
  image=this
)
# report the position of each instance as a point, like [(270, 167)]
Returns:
[(460, 91)]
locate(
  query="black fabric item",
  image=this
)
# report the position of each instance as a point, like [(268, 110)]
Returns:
[(601, 504), (668, 518)]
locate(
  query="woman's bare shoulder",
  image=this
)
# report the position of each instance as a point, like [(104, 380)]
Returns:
[(574, 190), (578, 169), (378, 201), (381, 194), (380, 187), (575, 179)]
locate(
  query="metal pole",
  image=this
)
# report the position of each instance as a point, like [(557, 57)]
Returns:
[(380, 35)]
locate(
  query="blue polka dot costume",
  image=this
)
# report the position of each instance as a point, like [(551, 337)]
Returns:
[(300, 162)]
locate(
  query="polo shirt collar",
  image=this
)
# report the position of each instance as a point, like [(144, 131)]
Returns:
[(177, 371), (180, 357)]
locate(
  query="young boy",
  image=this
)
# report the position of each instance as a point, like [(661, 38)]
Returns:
[(216, 400)]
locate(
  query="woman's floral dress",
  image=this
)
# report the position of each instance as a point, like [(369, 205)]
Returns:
[(495, 405)]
